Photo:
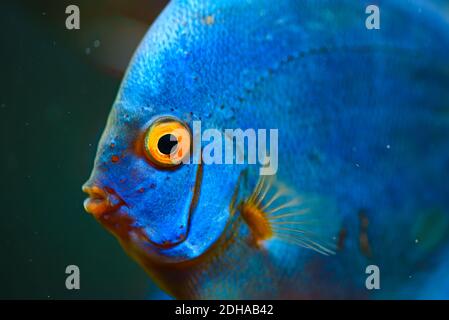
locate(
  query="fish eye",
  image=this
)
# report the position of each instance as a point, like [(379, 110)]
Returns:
[(167, 142)]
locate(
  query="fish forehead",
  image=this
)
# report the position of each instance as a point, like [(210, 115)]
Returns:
[(192, 57)]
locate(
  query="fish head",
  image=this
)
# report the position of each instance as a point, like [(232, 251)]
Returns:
[(148, 189), (147, 186)]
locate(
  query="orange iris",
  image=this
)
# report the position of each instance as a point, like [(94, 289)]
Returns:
[(167, 142)]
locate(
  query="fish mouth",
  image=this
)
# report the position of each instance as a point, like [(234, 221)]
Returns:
[(105, 204), (101, 201)]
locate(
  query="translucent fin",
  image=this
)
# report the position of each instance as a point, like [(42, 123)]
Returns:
[(276, 211)]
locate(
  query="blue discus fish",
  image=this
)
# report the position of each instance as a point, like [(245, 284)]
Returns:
[(363, 151)]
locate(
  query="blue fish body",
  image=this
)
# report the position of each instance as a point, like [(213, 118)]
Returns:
[(363, 122)]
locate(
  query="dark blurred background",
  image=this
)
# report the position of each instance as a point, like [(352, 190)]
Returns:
[(56, 89)]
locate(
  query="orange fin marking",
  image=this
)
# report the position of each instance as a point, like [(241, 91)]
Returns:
[(257, 221)]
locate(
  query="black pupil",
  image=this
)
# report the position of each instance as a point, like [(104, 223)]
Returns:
[(166, 143)]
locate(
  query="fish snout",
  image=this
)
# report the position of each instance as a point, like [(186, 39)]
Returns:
[(100, 200)]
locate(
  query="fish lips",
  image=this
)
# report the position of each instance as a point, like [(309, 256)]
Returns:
[(101, 201)]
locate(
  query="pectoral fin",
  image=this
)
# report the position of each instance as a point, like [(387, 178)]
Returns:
[(275, 211)]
